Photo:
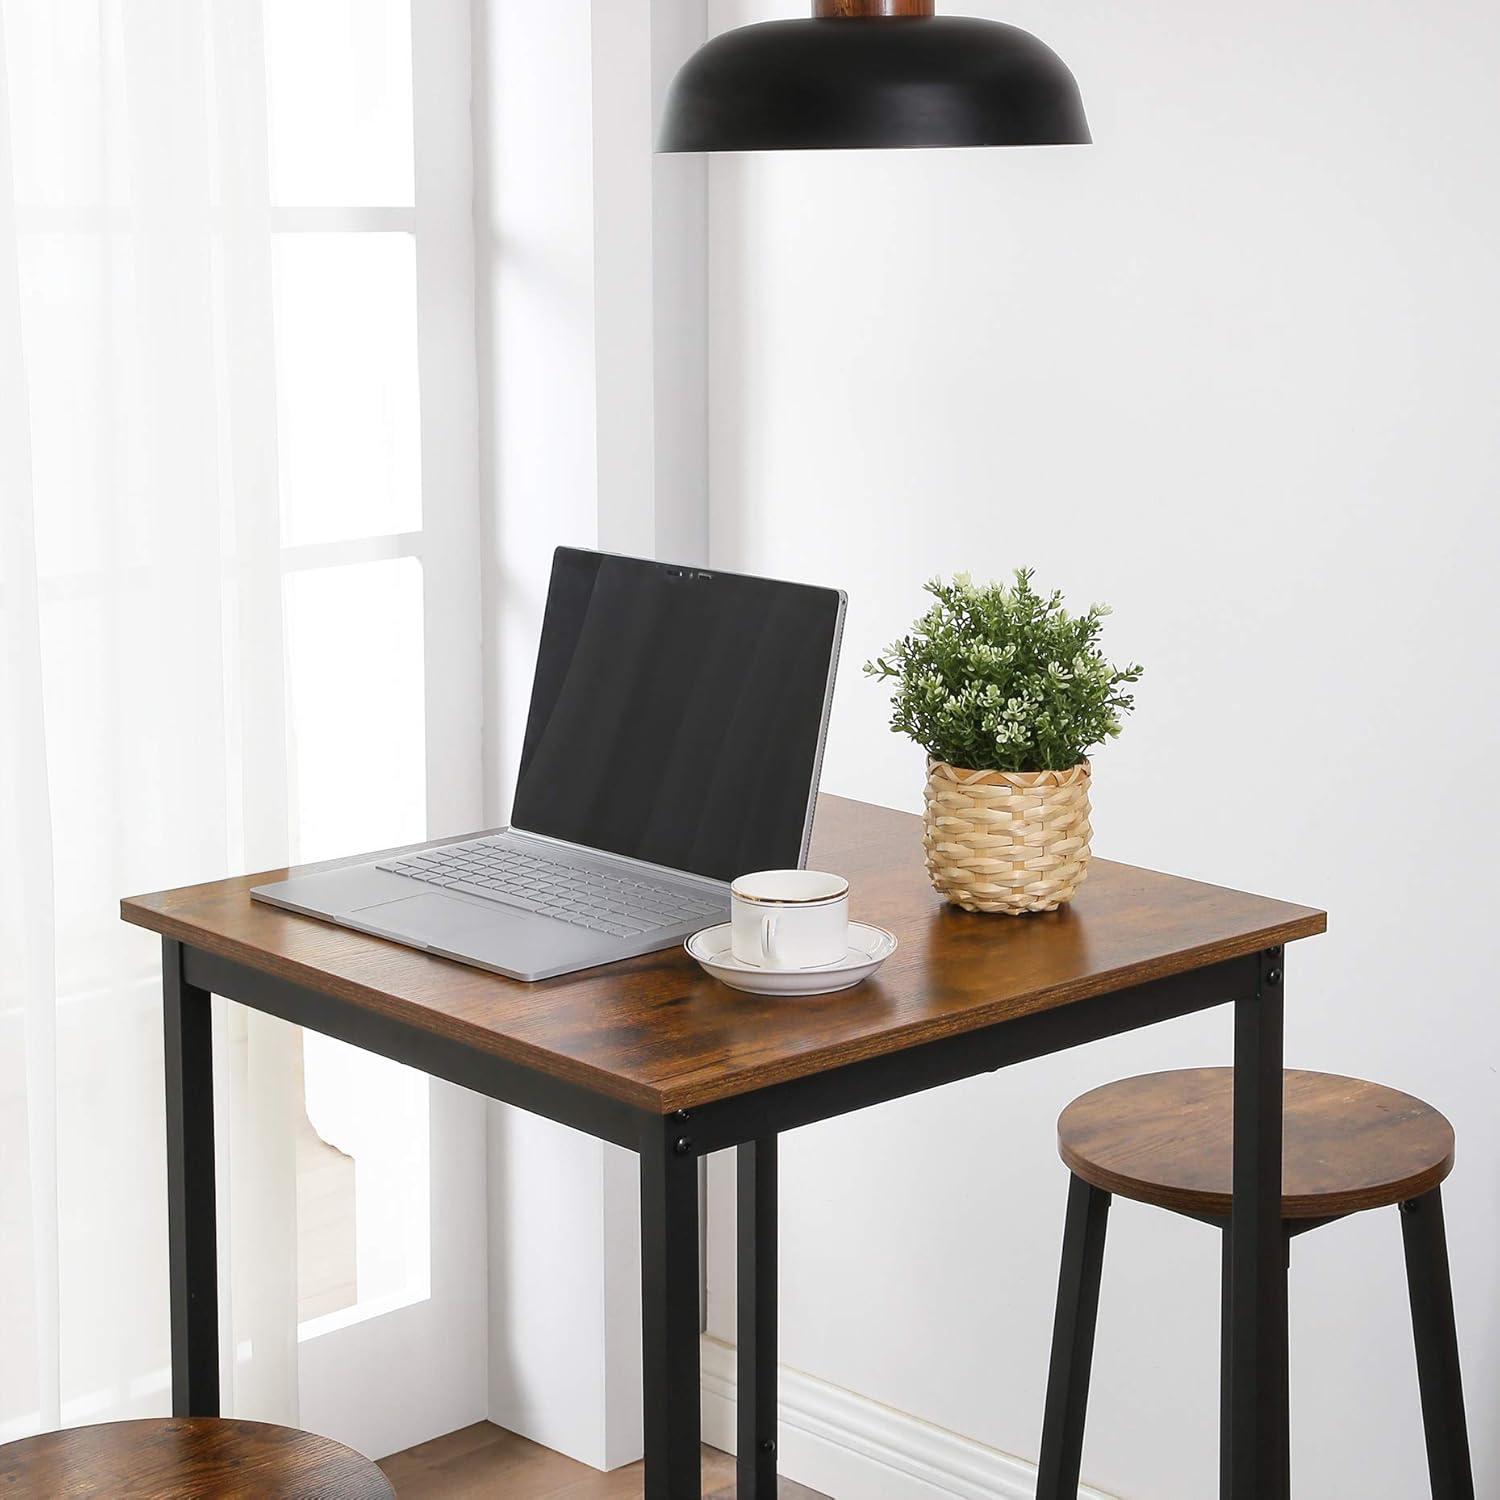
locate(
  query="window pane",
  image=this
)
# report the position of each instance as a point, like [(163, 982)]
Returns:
[(346, 355), (338, 80), (354, 648)]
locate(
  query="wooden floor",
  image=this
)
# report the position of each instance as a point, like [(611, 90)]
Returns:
[(486, 1461)]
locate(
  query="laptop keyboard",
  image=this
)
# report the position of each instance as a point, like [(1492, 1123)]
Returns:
[(602, 901)]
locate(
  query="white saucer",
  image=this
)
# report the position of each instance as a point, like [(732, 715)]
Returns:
[(869, 947)]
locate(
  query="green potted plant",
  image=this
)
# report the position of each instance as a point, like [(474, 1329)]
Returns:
[(1007, 693)]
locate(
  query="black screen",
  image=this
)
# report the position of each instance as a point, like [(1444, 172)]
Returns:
[(675, 714)]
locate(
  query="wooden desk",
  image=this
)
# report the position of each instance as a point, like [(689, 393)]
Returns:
[(655, 1056)]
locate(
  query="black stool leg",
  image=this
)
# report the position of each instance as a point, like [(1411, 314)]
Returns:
[(1431, 1289), (1072, 1342)]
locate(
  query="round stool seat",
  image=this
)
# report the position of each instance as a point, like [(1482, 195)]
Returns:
[(173, 1457), (1167, 1139)]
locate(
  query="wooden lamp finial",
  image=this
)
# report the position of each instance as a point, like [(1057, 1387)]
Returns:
[(827, 10)]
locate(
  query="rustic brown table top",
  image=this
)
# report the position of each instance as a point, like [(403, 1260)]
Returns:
[(657, 1033)]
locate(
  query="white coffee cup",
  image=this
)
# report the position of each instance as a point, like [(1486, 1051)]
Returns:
[(789, 919)]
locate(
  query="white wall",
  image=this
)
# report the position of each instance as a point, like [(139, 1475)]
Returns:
[(592, 346), (549, 1348), (1231, 369)]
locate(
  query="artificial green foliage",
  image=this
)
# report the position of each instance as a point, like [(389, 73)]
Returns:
[(998, 677)]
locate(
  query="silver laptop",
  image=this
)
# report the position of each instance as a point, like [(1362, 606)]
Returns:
[(674, 741)]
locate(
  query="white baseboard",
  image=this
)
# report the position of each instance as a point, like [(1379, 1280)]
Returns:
[(852, 1448)]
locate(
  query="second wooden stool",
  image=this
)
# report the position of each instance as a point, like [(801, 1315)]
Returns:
[(1166, 1139), (187, 1458)]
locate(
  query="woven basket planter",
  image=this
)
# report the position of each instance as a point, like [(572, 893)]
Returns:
[(1011, 841)]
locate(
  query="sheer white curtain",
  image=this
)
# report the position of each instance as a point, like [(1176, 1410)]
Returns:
[(143, 734)]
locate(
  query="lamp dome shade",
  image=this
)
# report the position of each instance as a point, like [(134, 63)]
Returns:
[(872, 81)]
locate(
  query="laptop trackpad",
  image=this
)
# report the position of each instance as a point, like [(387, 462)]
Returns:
[(487, 933), (431, 917)]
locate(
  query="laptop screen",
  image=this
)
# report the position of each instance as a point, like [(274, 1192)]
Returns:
[(676, 714)]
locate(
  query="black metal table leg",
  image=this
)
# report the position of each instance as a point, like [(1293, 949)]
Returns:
[(669, 1312), (1431, 1288), (1259, 1449), (191, 1230), (756, 1353), (1226, 1367), (1072, 1342)]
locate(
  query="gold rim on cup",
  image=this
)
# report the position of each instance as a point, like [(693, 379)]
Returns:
[(790, 900)]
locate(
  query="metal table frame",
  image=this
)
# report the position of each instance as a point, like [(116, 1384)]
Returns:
[(669, 1148)]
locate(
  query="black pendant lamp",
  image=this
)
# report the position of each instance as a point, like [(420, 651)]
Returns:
[(872, 73)]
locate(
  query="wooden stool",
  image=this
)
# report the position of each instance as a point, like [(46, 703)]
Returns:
[(1166, 1139), (173, 1458)]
